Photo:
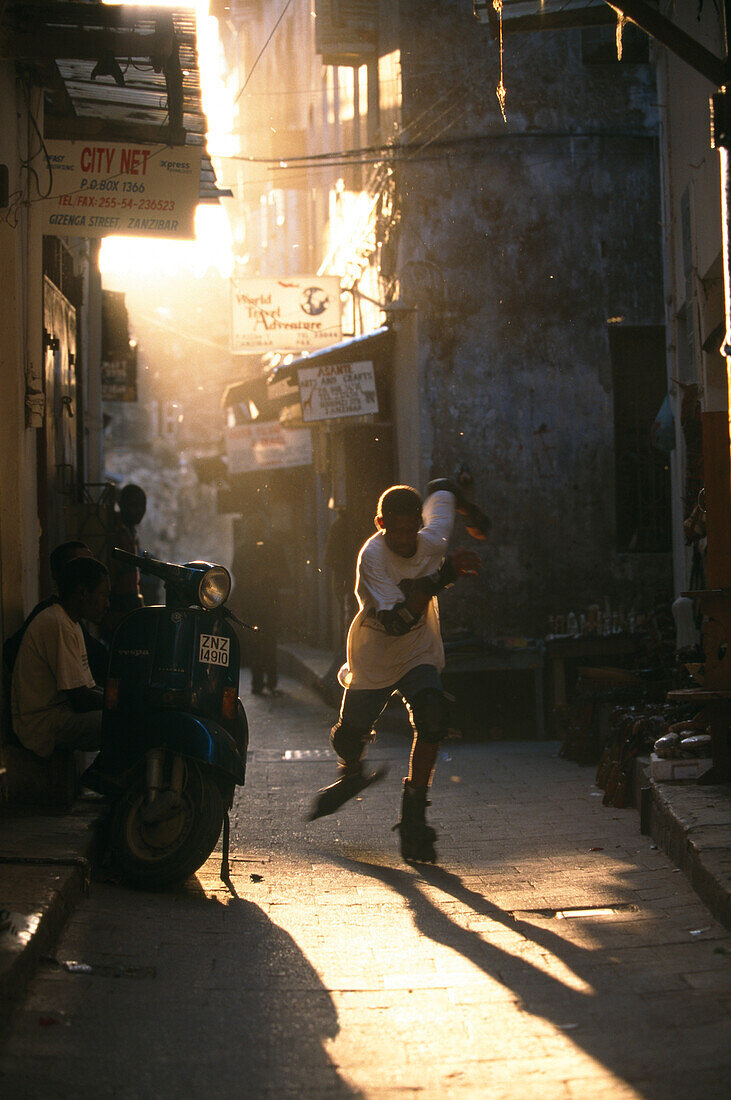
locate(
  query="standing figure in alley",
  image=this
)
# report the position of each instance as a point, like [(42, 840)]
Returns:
[(260, 572), (339, 561), (341, 555), (395, 645), (55, 701), (126, 593)]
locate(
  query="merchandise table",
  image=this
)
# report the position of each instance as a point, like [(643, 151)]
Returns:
[(502, 659)]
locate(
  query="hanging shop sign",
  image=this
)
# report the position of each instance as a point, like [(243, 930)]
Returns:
[(301, 313), (99, 189), (119, 377), (267, 446), (340, 389)]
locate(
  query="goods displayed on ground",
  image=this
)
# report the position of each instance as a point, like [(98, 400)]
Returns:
[(618, 714)]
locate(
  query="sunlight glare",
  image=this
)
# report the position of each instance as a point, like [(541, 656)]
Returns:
[(212, 247)]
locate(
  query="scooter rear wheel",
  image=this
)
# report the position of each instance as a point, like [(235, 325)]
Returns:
[(154, 856)]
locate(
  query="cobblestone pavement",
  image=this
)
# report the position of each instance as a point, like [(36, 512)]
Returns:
[(339, 971)]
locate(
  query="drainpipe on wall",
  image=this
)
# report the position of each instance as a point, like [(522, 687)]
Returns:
[(677, 457), (412, 469), (716, 456), (34, 369), (93, 416)]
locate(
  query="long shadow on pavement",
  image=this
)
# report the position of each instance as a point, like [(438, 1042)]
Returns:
[(605, 1018), (232, 1008)]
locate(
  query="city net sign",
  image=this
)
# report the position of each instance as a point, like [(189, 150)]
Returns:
[(299, 313), (339, 389), (99, 189)]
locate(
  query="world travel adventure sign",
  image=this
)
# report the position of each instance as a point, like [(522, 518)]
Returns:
[(297, 313), (101, 189)]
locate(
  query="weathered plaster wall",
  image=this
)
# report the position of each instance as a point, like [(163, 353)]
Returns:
[(21, 330), (691, 170), (517, 248)]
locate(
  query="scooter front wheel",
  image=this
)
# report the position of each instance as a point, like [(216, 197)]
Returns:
[(153, 855)]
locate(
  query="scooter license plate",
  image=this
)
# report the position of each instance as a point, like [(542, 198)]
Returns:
[(214, 650)]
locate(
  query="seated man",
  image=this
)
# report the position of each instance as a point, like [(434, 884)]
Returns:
[(55, 701), (64, 552)]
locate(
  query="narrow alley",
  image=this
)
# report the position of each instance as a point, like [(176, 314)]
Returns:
[(552, 952)]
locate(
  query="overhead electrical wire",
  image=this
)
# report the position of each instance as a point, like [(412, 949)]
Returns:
[(394, 151), (458, 95), (422, 126), (449, 110), (454, 98), (261, 51), (340, 85), (266, 44), (375, 154), (370, 153)]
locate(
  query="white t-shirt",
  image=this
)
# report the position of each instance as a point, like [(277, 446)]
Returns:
[(377, 659), (51, 660)]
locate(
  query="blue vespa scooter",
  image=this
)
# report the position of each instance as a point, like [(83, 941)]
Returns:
[(174, 732)]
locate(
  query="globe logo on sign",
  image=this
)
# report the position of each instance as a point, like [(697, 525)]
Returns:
[(314, 301)]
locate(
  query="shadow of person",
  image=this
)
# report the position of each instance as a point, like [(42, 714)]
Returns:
[(225, 1003), (268, 1012), (565, 983)]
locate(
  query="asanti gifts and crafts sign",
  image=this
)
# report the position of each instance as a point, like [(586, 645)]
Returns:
[(100, 189), (299, 313), (340, 389)]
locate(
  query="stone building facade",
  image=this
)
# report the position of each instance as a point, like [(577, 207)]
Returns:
[(519, 260), (532, 250)]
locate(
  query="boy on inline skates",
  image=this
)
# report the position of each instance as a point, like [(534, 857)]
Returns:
[(395, 645)]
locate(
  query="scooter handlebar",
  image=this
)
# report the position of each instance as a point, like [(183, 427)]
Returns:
[(240, 622), (164, 569), (182, 582)]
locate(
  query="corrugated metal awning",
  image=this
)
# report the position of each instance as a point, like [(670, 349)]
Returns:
[(251, 399), (355, 348), (113, 72)]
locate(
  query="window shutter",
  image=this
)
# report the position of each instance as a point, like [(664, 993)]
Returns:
[(346, 31)]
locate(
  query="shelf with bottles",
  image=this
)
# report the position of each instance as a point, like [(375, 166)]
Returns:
[(597, 622)]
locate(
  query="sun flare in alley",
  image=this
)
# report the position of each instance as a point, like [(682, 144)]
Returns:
[(121, 258), (365, 529)]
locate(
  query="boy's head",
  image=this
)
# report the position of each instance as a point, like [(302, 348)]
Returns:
[(132, 505), (399, 517)]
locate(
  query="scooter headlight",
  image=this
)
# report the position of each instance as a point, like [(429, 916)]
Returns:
[(214, 587)]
